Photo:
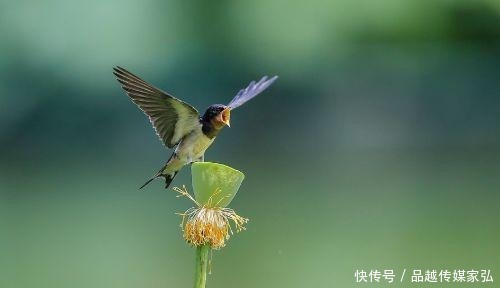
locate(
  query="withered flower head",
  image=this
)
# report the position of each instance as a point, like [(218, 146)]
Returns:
[(209, 223)]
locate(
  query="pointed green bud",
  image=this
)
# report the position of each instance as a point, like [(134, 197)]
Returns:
[(215, 184)]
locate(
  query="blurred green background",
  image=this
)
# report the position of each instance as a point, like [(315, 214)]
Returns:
[(377, 148)]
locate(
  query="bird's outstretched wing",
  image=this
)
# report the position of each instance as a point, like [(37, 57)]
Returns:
[(251, 91), (172, 118)]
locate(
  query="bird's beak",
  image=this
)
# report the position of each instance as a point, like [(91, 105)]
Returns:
[(225, 116)]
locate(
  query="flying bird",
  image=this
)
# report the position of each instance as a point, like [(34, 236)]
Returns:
[(179, 124)]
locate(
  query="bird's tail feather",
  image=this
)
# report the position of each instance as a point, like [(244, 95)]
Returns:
[(158, 174), (169, 178), (147, 182)]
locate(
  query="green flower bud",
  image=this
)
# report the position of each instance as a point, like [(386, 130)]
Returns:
[(214, 184)]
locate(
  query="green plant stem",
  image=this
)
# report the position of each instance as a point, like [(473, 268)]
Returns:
[(200, 275)]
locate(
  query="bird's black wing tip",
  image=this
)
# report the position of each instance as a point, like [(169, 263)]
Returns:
[(119, 70)]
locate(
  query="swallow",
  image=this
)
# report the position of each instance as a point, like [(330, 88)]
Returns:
[(178, 124)]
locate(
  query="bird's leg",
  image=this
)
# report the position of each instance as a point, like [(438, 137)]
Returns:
[(200, 159)]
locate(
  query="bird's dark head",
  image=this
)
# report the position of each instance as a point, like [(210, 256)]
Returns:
[(218, 115)]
